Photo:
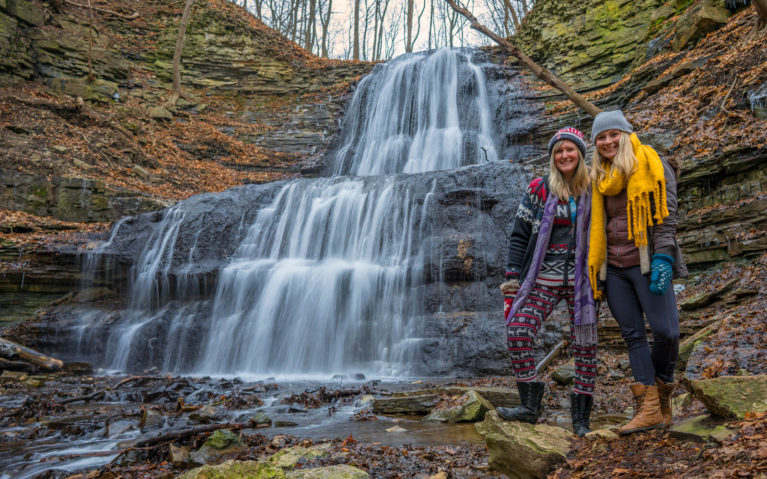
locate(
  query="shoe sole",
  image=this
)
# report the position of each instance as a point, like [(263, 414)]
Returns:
[(642, 429)]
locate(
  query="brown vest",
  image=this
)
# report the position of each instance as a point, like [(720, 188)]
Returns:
[(621, 251)]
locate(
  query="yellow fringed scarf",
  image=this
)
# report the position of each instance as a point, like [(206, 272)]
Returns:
[(647, 183)]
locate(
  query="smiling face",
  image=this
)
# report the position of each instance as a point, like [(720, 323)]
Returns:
[(607, 143), (566, 158)]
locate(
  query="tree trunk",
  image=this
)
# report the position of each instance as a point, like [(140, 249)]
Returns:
[(310, 27), (514, 17), (356, 49), (325, 23), (431, 22), (409, 27), (175, 91), (11, 351), (525, 10), (536, 69)]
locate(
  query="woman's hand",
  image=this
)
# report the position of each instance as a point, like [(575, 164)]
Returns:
[(661, 273), (510, 287)]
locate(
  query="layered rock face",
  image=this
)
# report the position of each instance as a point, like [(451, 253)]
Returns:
[(593, 43)]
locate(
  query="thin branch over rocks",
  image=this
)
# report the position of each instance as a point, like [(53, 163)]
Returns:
[(539, 71)]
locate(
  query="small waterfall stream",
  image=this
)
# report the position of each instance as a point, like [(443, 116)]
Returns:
[(326, 275)]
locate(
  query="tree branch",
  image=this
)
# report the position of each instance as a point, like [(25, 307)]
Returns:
[(536, 69)]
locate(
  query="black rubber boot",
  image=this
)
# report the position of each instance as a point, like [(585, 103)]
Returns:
[(530, 394), (580, 410)]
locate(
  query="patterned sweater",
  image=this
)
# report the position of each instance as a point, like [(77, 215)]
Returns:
[(558, 266)]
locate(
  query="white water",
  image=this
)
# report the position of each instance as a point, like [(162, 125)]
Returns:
[(324, 279)]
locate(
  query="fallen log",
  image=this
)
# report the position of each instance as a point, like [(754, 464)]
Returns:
[(6, 365), (550, 357), (12, 351), (184, 433)]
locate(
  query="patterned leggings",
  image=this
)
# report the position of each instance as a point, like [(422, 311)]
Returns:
[(523, 328)]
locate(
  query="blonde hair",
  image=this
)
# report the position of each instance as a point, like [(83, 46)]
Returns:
[(557, 183), (624, 161)]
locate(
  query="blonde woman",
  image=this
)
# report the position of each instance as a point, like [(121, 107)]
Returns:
[(633, 249), (547, 264)]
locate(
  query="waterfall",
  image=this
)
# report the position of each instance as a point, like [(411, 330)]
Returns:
[(325, 277), (418, 113)]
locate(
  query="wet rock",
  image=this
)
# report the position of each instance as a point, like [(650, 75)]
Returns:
[(471, 407), (288, 458), (179, 455), (12, 376), (119, 427), (261, 418), (700, 429), (221, 443), (564, 374), (731, 396), (206, 414), (234, 470), (281, 423), (417, 404), (341, 471), (150, 419), (522, 450)]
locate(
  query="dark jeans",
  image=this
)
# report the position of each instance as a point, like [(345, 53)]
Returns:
[(629, 297)]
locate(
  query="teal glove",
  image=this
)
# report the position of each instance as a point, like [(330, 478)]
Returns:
[(660, 273)]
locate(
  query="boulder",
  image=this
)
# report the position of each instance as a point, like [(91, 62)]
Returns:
[(289, 457), (160, 113), (418, 404), (28, 11), (341, 471), (521, 450), (236, 470), (89, 295), (205, 414), (698, 23), (471, 407), (497, 396), (564, 374), (700, 429), (731, 396), (220, 444)]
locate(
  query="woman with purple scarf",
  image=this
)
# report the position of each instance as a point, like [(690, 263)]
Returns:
[(548, 263)]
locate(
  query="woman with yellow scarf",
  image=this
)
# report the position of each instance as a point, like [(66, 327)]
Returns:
[(633, 255)]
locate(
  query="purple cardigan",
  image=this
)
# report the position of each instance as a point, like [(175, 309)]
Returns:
[(585, 309)]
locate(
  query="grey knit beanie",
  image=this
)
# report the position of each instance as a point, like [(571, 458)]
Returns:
[(569, 133), (610, 120)]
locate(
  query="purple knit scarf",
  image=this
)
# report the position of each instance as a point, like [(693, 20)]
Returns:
[(584, 308)]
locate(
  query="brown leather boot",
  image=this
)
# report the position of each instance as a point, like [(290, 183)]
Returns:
[(664, 396), (649, 415)]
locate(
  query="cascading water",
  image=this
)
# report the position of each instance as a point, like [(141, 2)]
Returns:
[(418, 113), (325, 277)]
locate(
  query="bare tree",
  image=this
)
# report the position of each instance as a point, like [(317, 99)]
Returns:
[(325, 20), (356, 49), (309, 35), (175, 91), (536, 69)]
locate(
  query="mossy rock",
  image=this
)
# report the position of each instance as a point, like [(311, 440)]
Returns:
[(342, 471), (289, 457), (700, 429), (522, 450), (471, 407), (236, 470), (731, 396)]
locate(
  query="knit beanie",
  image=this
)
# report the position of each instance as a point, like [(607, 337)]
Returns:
[(610, 120), (568, 133)]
